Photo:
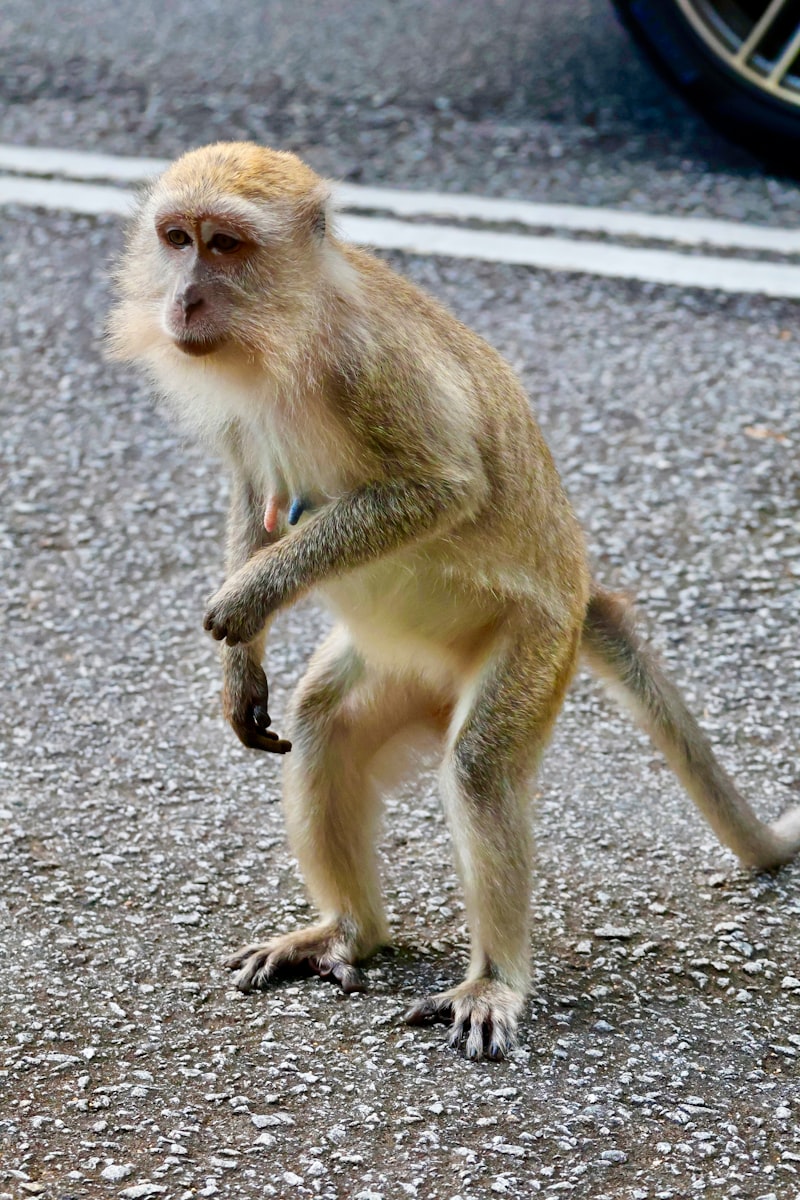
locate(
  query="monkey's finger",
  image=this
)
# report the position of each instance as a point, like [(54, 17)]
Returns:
[(261, 717), (270, 742), (268, 735), (219, 631), (261, 739)]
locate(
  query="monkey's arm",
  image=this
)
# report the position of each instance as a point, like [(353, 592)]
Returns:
[(245, 693), (355, 529)]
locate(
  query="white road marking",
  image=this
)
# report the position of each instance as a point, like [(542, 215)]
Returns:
[(549, 252), (89, 198), (590, 258), (42, 160), (683, 231)]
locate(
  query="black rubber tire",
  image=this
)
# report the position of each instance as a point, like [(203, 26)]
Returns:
[(738, 108)]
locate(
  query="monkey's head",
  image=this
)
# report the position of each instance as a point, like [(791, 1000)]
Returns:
[(225, 252)]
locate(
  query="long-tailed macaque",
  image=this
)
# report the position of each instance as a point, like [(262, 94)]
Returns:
[(385, 456)]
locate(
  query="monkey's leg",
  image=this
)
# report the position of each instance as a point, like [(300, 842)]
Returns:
[(500, 730), (343, 715)]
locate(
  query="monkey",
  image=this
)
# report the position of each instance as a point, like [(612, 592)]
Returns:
[(428, 516)]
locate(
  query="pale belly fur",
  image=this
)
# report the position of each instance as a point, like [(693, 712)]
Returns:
[(407, 613)]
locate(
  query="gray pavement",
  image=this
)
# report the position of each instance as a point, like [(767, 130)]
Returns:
[(504, 97), (139, 842)]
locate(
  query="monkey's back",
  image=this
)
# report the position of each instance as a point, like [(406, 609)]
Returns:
[(438, 395)]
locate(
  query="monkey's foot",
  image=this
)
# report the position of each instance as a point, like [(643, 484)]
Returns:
[(325, 950), (484, 1016)]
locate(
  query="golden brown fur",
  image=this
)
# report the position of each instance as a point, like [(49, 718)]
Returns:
[(436, 530)]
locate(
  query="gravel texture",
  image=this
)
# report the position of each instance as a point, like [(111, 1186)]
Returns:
[(540, 100), (139, 842)]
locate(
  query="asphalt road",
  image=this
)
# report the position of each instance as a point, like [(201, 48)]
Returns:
[(502, 97), (139, 843)]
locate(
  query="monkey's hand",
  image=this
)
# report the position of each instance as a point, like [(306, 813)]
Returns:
[(245, 699), (238, 612)]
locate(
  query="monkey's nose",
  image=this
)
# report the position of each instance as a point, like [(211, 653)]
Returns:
[(191, 299)]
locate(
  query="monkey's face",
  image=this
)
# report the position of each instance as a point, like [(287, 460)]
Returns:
[(207, 257), (223, 261)]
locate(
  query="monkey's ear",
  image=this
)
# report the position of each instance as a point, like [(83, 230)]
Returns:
[(312, 211)]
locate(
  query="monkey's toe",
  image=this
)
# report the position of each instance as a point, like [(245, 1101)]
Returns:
[(253, 973), (348, 977), (308, 952), (483, 1017)]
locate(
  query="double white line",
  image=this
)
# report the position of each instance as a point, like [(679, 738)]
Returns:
[(99, 183)]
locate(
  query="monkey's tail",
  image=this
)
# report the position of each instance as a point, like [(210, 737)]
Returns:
[(615, 651)]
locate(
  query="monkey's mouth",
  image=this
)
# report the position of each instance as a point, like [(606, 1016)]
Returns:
[(197, 347)]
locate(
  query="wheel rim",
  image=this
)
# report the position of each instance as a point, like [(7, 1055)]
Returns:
[(759, 40)]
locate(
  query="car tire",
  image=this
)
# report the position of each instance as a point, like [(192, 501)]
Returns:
[(696, 54)]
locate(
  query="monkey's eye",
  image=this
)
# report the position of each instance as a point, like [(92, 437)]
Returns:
[(178, 238), (224, 243)]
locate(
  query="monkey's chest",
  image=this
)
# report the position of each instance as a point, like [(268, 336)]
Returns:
[(293, 463)]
